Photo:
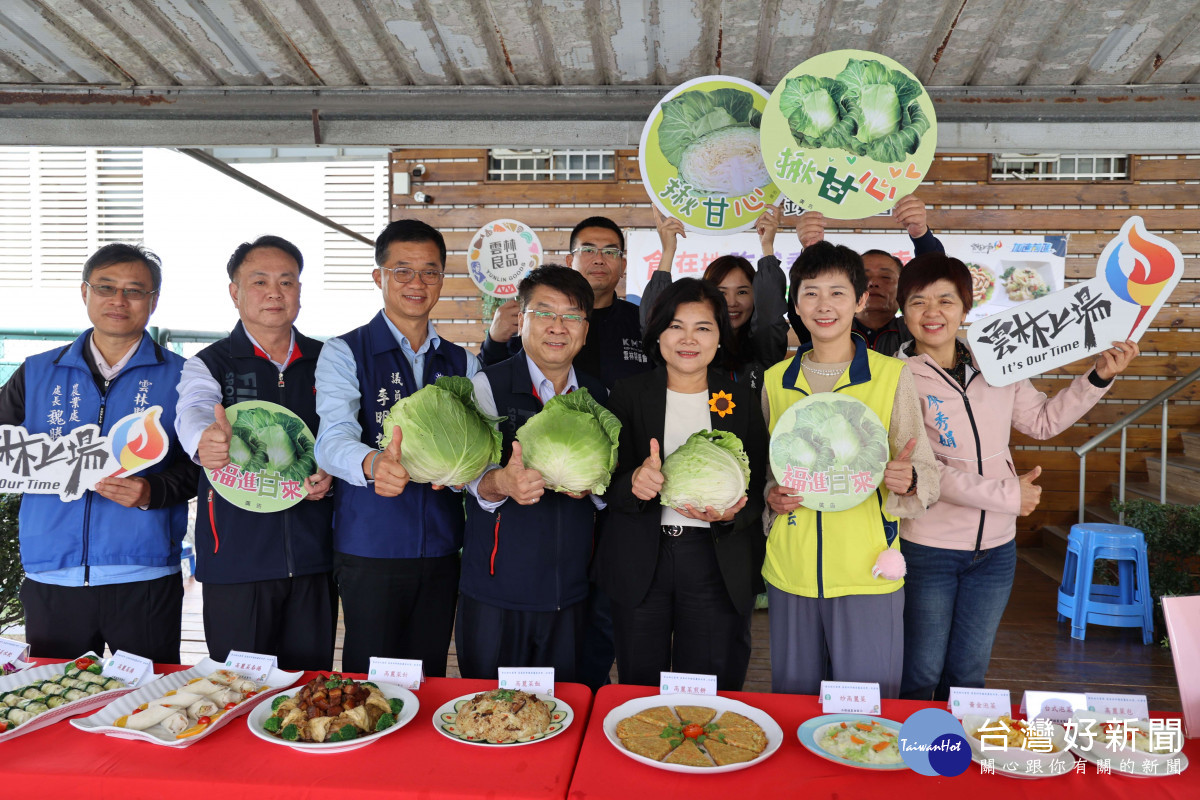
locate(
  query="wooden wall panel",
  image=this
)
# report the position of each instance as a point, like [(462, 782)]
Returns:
[(961, 200)]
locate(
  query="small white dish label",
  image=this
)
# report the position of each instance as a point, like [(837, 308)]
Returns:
[(986, 702), (843, 697), (688, 683), (12, 652), (1119, 706), (535, 680), (127, 667), (1054, 706), (254, 666), (407, 673)]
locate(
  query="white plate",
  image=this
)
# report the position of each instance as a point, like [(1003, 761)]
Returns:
[(80, 706), (102, 721), (259, 715), (721, 704), (444, 719), (812, 731)]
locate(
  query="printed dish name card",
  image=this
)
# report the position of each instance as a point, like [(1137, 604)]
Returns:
[(127, 667), (12, 652), (1122, 706), (688, 683), (255, 666), (965, 701), (842, 697), (1054, 706), (407, 673), (535, 680)]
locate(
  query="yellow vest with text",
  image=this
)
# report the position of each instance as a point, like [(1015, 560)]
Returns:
[(823, 553)]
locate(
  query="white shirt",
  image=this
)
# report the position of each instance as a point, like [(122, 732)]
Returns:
[(686, 414)]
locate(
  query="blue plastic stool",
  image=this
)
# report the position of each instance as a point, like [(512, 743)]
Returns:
[(188, 560), (1127, 605)]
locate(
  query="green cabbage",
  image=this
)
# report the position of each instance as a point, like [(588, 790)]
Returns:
[(725, 163), (813, 107), (572, 442), (831, 431), (710, 469), (447, 440), (885, 107), (691, 115), (270, 441)]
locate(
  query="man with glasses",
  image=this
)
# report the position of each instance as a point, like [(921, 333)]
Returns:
[(104, 569), (526, 549), (395, 543), (268, 583)]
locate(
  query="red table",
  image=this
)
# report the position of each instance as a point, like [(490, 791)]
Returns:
[(793, 772), (416, 761)]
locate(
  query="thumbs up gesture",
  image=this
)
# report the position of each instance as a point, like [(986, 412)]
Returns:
[(899, 473), (213, 450), (390, 475), (526, 486), (648, 478), (1031, 495)]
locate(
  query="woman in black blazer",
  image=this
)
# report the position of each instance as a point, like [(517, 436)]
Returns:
[(682, 581)]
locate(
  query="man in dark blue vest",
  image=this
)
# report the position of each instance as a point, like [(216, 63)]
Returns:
[(395, 543), (526, 550), (268, 582), (104, 569)]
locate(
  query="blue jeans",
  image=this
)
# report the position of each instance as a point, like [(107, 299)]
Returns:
[(953, 603)]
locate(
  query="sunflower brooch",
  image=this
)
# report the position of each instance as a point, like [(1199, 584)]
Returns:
[(721, 404)]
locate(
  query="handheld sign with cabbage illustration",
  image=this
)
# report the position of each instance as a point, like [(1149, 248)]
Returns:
[(831, 449), (848, 133), (71, 463), (701, 158), (270, 456)]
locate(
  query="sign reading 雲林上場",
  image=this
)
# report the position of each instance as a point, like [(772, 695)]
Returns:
[(848, 133), (71, 462), (1134, 278)]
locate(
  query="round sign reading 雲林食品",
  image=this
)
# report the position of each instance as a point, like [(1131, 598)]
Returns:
[(848, 134), (502, 253), (701, 157)]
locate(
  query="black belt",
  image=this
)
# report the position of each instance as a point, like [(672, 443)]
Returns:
[(678, 530)]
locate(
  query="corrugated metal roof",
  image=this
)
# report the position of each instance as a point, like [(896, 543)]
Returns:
[(607, 47)]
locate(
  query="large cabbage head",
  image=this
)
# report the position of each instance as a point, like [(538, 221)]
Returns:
[(710, 469), (813, 107), (447, 440), (725, 163), (694, 113), (265, 440), (572, 442), (885, 107)]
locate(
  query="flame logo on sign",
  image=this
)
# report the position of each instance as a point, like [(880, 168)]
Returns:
[(1139, 267), (138, 440)]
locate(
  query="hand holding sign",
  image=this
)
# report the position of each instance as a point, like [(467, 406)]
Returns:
[(899, 474), (318, 485), (1031, 495), (390, 475), (811, 228), (506, 321), (670, 230), (766, 227), (129, 492), (1113, 362), (648, 478), (910, 213), (213, 450), (782, 500)]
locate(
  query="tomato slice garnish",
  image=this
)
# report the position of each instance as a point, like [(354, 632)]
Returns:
[(84, 662), (203, 720), (230, 705), (693, 731)]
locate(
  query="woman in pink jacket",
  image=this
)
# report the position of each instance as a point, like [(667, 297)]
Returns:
[(961, 554)]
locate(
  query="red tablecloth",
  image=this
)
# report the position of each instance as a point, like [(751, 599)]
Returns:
[(793, 772), (416, 761)]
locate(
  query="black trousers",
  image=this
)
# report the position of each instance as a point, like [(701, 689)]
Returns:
[(143, 617), (293, 619), (487, 637), (686, 622), (397, 608)]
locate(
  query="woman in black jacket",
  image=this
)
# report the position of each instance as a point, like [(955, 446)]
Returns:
[(682, 581)]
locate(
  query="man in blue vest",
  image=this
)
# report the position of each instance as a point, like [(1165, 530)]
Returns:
[(104, 569), (395, 543), (526, 550), (268, 578)]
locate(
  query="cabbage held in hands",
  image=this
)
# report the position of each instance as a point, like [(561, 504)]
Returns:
[(572, 442), (447, 441), (710, 469)]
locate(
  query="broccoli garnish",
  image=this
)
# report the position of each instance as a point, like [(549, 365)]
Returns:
[(386, 721), (369, 683), (290, 733), (344, 734), (272, 724), (278, 701), (396, 704)]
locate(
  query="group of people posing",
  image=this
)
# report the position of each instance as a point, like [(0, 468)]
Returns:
[(905, 589)]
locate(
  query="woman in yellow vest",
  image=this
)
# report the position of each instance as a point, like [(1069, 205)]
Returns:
[(835, 579)]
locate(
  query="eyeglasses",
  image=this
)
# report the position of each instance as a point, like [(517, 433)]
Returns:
[(548, 317), (609, 253), (404, 274), (107, 290)]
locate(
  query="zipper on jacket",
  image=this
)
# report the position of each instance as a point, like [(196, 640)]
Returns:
[(495, 547), (281, 379), (820, 564), (87, 509), (558, 557), (212, 521), (287, 543)]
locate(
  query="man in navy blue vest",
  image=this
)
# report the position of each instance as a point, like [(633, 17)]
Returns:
[(268, 578), (526, 551), (395, 543), (104, 569)]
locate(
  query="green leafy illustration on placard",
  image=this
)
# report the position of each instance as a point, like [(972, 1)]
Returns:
[(833, 433), (265, 440), (712, 139)]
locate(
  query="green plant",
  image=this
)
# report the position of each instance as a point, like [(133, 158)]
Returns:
[(11, 573), (572, 442), (1172, 545)]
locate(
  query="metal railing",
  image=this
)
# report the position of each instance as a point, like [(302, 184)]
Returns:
[(1122, 426)]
